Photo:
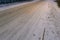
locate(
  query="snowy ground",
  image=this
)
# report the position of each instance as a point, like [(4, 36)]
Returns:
[(12, 5), (36, 21), (9, 4)]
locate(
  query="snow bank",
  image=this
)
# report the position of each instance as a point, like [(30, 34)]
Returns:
[(14, 5)]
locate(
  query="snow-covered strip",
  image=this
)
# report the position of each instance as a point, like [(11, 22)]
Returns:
[(12, 6)]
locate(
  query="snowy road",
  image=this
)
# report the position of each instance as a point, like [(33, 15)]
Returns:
[(31, 22)]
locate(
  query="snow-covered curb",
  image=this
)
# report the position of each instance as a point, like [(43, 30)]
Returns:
[(12, 6)]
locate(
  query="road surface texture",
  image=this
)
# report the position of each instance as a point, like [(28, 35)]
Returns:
[(36, 21)]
